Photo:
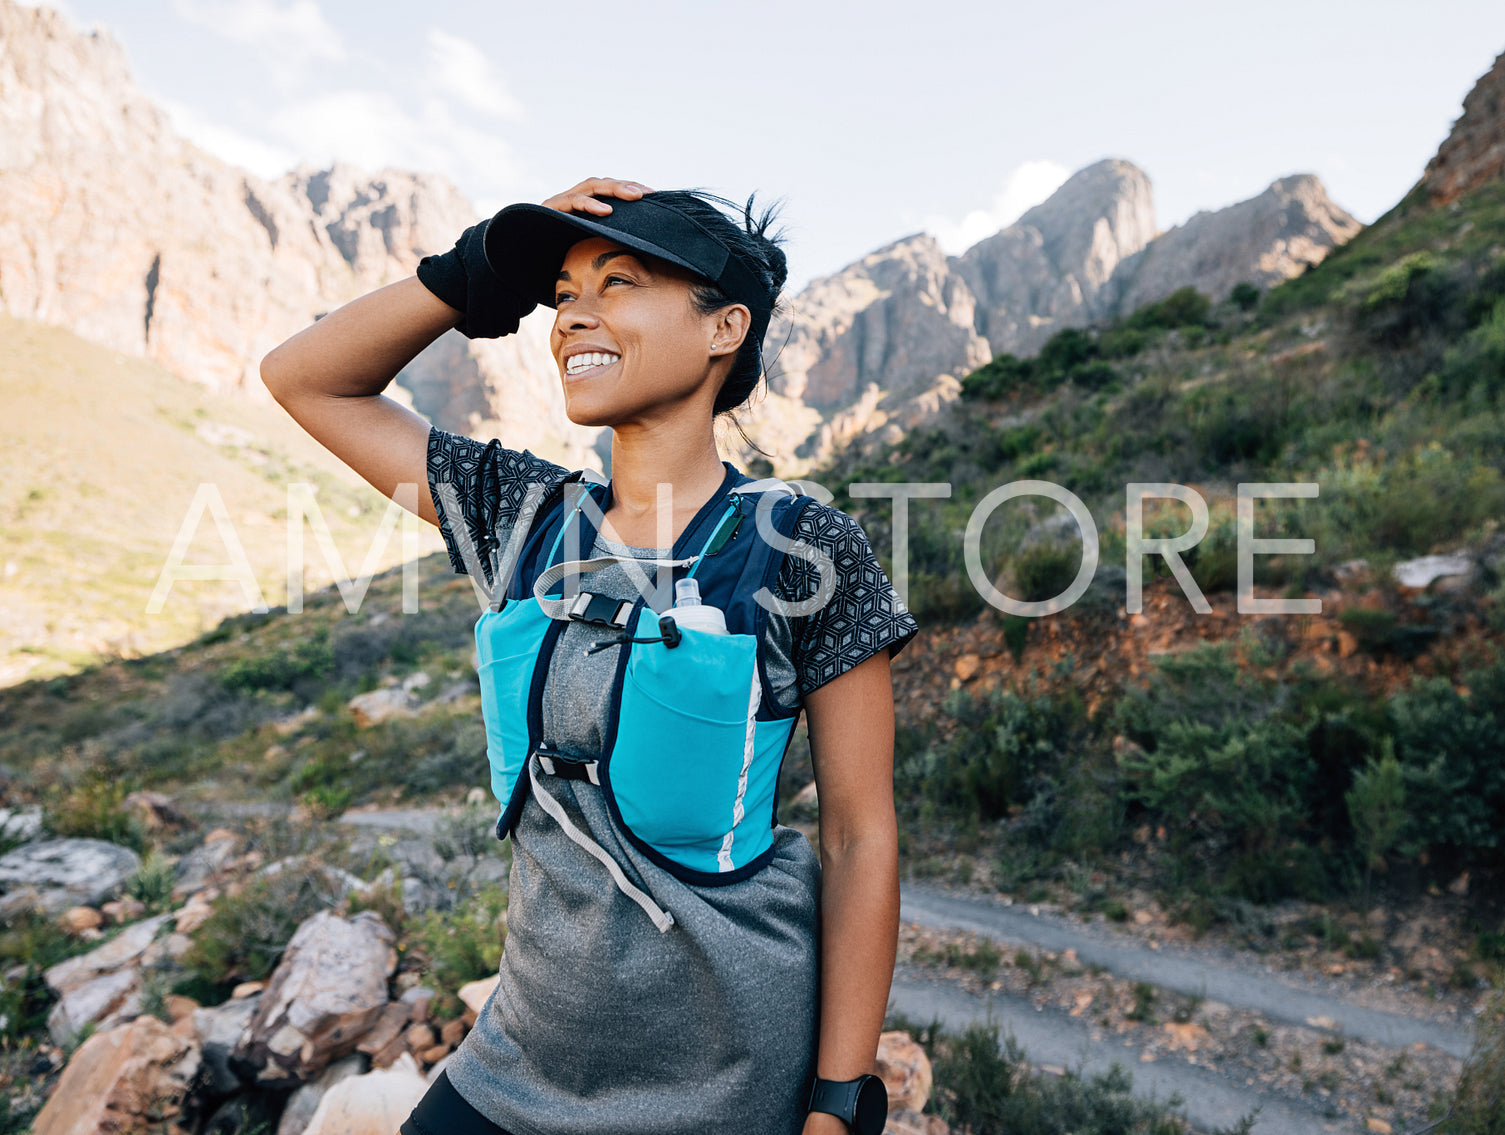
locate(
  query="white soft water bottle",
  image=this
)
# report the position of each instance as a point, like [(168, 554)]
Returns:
[(689, 611)]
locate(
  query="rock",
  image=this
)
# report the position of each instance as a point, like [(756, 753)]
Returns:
[(195, 912), (220, 1031), (905, 1071), (434, 1053), (374, 1104), (122, 1082), (1473, 153), (100, 1001), (419, 1037), (453, 1032), (56, 874), (1378, 1126), (967, 666), (388, 1027), (1459, 886), (378, 706), (304, 1102), (179, 1006), (20, 823), (156, 811), (125, 949), (1423, 571), (1261, 241), (77, 919), (122, 911), (475, 994), (328, 990), (338, 881), (1185, 1036), (199, 867)]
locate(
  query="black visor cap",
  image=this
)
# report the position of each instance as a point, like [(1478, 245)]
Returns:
[(525, 246)]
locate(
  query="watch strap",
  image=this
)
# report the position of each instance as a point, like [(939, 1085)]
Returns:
[(862, 1104)]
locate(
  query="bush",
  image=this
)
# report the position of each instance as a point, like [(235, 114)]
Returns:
[(1244, 296), (1478, 1106), (244, 936), (461, 945), (282, 669), (1185, 307), (1044, 570), (983, 1086), (93, 810)]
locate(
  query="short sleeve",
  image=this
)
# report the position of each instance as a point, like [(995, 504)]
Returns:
[(479, 490), (864, 613)]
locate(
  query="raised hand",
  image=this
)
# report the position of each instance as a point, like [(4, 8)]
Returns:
[(586, 197)]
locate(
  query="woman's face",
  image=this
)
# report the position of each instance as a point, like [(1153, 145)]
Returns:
[(629, 343)]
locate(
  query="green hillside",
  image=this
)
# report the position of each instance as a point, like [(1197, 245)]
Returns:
[(100, 458)]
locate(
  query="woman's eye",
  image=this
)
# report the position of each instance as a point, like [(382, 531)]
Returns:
[(560, 298), (617, 280)]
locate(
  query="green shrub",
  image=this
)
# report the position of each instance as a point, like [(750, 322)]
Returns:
[(1185, 307), (983, 1085), (151, 885), (1244, 296), (1044, 570), (246, 933), (93, 810), (1478, 1104), (461, 945), (280, 668)]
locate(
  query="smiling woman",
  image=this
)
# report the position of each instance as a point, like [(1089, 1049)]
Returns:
[(676, 961)]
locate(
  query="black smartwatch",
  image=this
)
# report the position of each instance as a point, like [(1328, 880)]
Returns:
[(862, 1104)]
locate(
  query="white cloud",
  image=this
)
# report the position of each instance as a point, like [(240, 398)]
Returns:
[(1027, 186), (372, 129), (260, 157), (461, 70), (288, 36)]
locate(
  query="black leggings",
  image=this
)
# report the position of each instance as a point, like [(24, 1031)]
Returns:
[(442, 1111)]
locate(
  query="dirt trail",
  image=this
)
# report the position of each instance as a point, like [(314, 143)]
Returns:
[(1289, 998), (1052, 1038)]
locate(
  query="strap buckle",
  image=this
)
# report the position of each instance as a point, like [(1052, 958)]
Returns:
[(555, 763), (600, 610)]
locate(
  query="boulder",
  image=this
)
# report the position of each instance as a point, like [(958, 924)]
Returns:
[(304, 1102), (156, 811), (201, 865), (20, 823), (101, 1001), (905, 1071), (329, 989), (475, 994), (374, 1104), (381, 705), (121, 1082), (56, 874), (220, 1031), (80, 920), (125, 949)]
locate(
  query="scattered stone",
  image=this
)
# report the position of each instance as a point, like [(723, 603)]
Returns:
[(378, 706), (328, 990), (247, 989), (374, 1104), (178, 1006), (78, 919), (56, 874), (156, 811), (100, 1001), (340, 882), (905, 1071), (121, 911), (416, 681), (123, 1081), (453, 1032), (1459, 886), (304, 1102), (202, 865), (420, 1037), (1378, 1126), (905, 1122), (1185, 1036), (967, 666), (388, 1028), (434, 1053), (1421, 572), (195, 912), (220, 1031), (475, 994), (125, 949), (20, 823)]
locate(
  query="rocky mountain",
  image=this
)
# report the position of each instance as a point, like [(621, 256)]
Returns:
[(878, 344), (1474, 151), (117, 228)]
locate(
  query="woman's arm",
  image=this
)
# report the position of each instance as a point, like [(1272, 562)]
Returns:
[(851, 722), (329, 377)]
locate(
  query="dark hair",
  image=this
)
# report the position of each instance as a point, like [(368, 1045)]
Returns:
[(758, 248)]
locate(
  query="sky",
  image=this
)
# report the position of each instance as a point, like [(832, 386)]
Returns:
[(870, 122)]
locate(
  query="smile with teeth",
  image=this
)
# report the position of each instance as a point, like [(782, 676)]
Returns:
[(590, 360)]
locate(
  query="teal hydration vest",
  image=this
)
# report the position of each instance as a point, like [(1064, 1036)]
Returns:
[(694, 739)]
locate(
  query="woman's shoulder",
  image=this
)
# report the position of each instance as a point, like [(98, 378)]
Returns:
[(456, 458)]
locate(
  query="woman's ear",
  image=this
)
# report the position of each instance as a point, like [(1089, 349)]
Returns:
[(730, 329)]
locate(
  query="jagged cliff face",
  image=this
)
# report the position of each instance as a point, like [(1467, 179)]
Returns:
[(1474, 151), (877, 345), (116, 228), (1264, 240)]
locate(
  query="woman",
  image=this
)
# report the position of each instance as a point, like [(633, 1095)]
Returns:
[(640, 993)]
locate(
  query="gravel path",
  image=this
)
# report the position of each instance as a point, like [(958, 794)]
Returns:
[(1209, 1100), (1290, 999)]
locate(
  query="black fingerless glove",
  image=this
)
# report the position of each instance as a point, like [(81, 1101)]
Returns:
[(463, 279)]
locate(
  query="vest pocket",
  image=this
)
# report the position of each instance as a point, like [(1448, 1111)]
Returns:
[(684, 750), (507, 645)]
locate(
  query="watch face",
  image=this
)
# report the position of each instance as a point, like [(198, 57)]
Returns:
[(871, 1113)]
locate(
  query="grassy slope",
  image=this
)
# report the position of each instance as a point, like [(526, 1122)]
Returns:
[(100, 456)]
